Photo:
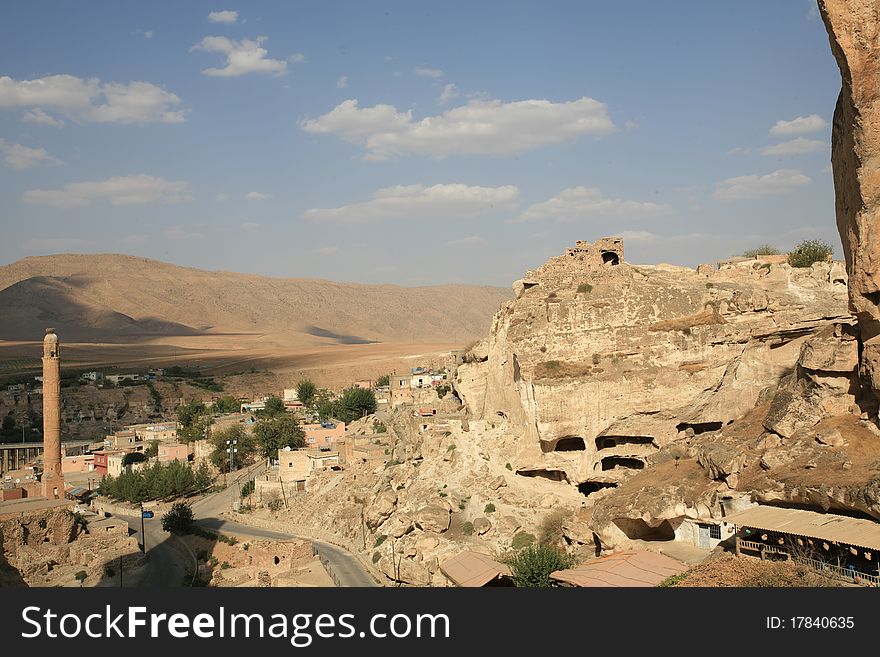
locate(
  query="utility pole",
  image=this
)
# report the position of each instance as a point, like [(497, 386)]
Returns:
[(231, 450), (143, 532), (120, 571)]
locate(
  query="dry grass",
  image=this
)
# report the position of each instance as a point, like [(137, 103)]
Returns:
[(730, 571)]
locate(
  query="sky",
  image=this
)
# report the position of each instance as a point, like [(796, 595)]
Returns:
[(413, 143)]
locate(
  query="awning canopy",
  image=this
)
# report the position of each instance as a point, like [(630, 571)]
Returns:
[(473, 569), (625, 569), (822, 526)]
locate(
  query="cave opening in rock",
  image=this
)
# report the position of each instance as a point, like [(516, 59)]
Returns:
[(544, 473), (614, 462), (699, 427), (570, 444), (609, 442), (529, 286), (610, 258), (587, 488), (638, 529)]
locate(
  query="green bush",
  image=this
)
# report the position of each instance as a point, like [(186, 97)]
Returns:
[(522, 540), (383, 380), (584, 288), (508, 466), (764, 249), (179, 518), (379, 540), (808, 252), (489, 508), (80, 576), (672, 580), (376, 556), (532, 565)]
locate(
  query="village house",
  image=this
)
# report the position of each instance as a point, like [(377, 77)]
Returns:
[(101, 460), (173, 452), (79, 463), (324, 434), (295, 466)]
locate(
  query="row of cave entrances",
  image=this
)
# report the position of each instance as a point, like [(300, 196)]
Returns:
[(578, 444)]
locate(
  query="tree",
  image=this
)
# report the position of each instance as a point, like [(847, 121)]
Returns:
[(531, 566), (354, 404), (764, 249), (226, 404), (245, 444), (133, 457), (179, 518), (324, 405), (193, 420), (305, 391), (808, 252), (383, 380), (278, 432), (274, 406), (152, 449), (8, 426)]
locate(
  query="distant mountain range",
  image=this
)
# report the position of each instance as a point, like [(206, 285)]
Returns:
[(118, 298)]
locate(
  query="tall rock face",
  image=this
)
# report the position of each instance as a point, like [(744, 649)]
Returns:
[(598, 365), (854, 32)]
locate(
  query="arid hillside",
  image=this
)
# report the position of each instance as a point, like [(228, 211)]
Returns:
[(110, 297)]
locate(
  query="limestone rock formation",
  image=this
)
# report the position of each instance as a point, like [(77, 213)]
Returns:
[(854, 32), (597, 364)]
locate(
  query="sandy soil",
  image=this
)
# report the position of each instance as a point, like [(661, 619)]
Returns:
[(332, 365)]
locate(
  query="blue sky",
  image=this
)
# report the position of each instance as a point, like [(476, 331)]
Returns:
[(412, 142)]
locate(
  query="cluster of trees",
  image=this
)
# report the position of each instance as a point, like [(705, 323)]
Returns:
[(156, 482), (803, 255), (352, 405)]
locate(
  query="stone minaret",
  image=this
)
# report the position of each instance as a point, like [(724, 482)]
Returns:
[(53, 480)]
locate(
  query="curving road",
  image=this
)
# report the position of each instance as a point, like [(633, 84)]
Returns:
[(170, 559)]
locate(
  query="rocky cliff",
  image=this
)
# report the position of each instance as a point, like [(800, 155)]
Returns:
[(854, 33), (601, 364)]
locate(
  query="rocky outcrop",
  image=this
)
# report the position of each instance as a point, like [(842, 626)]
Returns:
[(598, 365), (854, 32)]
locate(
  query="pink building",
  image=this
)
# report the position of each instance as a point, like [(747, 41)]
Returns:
[(81, 463), (173, 452), (324, 434)]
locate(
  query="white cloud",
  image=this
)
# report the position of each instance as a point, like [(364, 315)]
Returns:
[(578, 203), (90, 101), (342, 82), (797, 146), (257, 196), (419, 202), (800, 125), (221, 197), (297, 58), (180, 233), (55, 244), (636, 236), (467, 242), (22, 157), (425, 72), (480, 127), (741, 188), (740, 150), (326, 250), (450, 91), (250, 227), (228, 17), (134, 240), (631, 125), (39, 117), (121, 190), (242, 57)]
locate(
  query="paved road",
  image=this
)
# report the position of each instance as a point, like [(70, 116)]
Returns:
[(169, 559)]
